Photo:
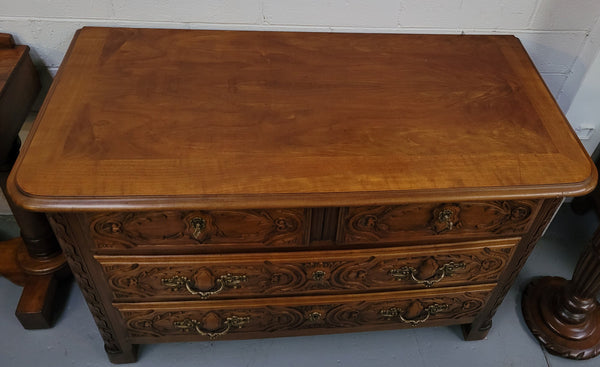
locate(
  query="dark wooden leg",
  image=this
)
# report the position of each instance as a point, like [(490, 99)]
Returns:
[(34, 261), (480, 327), (43, 292), (127, 354), (565, 315), (35, 310)]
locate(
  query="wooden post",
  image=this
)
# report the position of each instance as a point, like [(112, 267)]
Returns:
[(34, 260), (565, 315)]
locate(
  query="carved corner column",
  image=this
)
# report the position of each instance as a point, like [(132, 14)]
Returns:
[(565, 315), (75, 242), (480, 327), (33, 260)]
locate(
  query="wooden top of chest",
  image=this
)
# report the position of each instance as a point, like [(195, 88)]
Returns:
[(148, 118)]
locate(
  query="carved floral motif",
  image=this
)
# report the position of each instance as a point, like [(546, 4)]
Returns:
[(67, 240), (483, 323), (432, 221), (285, 277), (123, 230), (331, 315)]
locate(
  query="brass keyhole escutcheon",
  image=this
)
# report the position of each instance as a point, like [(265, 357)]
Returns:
[(446, 217), (314, 316), (199, 225), (318, 275)]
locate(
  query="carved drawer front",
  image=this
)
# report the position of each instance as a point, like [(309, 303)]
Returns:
[(179, 321), (201, 230), (152, 278), (426, 222)]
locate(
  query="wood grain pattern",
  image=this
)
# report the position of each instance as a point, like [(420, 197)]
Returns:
[(154, 322), (171, 230), (275, 119), (170, 154), (425, 222), (140, 278)]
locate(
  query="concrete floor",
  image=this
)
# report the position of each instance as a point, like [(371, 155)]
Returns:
[(75, 341)]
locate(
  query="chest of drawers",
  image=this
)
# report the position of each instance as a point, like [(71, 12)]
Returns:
[(220, 185)]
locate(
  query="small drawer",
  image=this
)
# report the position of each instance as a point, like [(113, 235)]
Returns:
[(259, 318), (430, 222), (200, 230), (165, 278)]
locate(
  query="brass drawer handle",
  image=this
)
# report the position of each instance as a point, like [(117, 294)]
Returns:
[(428, 311), (199, 225), (228, 280), (443, 271), (231, 322)]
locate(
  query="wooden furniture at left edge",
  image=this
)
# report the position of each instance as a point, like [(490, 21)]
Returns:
[(34, 260)]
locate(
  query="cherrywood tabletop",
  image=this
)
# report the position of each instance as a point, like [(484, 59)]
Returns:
[(149, 118)]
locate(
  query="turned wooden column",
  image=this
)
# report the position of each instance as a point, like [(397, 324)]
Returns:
[(34, 260), (565, 315)]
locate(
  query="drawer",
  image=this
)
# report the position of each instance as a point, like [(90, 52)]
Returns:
[(154, 278), (258, 318), (200, 230), (429, 222)]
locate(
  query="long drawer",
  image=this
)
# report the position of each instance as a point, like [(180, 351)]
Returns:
[(435, 221), (179, 277), (183, 321)]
